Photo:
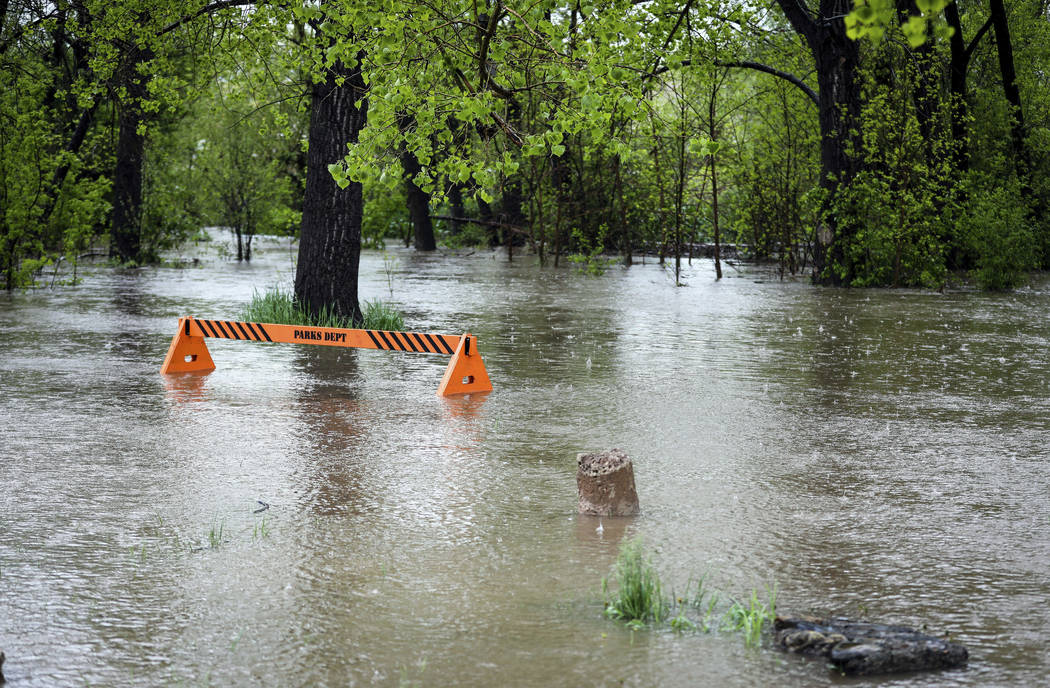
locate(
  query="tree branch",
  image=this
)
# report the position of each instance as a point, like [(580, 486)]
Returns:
[(483, 54), (486, 223), (674, 30), (20, 30), (758, 66), (977, 39), (207, 9)]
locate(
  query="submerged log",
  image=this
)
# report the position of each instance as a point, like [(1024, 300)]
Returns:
[(605, 483), (858, 649)]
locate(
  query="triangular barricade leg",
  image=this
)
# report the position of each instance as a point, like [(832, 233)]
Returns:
[(187, 354), (466, 372)]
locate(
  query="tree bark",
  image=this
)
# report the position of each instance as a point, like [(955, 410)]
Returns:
[(455, 200), (1005, 49), (126, 228), (418, 204), (959, 69), (837, 59), (330, 235), (417, 200)]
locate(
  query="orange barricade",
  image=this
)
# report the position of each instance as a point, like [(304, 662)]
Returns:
[(465, 373)]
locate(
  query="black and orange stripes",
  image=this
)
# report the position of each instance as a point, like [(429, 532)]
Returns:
[(418, 342), (414, 342), (230, 329), (466, 372)]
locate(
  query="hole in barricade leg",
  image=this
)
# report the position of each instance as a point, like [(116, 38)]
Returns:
[(190, 358), (467, 379)]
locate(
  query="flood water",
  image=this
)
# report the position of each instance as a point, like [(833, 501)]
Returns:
[(875, 454)]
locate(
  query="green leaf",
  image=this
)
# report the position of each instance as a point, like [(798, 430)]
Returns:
[(915, 31)]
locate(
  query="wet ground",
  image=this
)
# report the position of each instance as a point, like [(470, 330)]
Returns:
[(877, 454)]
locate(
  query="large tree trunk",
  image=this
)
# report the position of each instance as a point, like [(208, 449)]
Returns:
[(837, 59), (126, 228), (841, 154), (330, 236)]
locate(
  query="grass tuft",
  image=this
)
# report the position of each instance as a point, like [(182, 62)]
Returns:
[(639, 594), (639, 601), (752, 616), (215, 535), (280, 307), (382, 316)]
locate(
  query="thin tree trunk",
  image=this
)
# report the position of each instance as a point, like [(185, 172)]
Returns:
[(418, 204), (455, 199), (713, 135), (418, 201), (958, 68), (1005, 49)]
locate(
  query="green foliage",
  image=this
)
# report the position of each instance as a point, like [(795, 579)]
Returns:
[(997, 231), (261, 529), (591, 260), (872, 18), (281, 308), (893, 217), (386, 216), (574, 130), (236, 164), (216, 533), (173, 193), (52, 202), (895, 235), (681, 623), (774, 178)]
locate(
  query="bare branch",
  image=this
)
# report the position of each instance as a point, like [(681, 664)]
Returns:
[(758, 66)]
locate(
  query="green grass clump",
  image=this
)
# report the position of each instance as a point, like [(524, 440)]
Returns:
[(752, 616), (281, 308), (382, 316), (215, 535), (639, 595), (640, 602), (273, 306)]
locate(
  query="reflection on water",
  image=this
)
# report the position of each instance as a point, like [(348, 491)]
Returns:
[(877, 454), (186, 387)]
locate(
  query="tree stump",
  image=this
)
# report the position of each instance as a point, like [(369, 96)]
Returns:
[(861, 649), (605, 483)]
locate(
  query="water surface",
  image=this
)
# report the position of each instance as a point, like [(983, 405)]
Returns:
[(878, 454)]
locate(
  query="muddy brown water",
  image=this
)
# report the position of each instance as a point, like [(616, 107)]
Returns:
[(877, 454)]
